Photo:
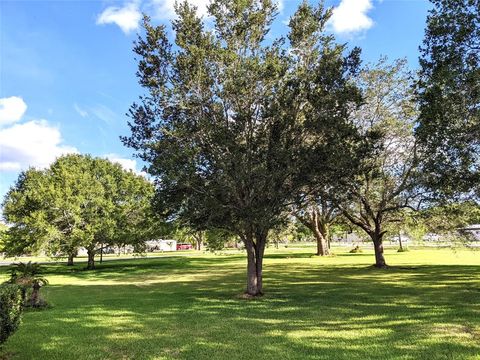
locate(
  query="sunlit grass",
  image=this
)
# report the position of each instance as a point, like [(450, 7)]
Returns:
[(427, 306)]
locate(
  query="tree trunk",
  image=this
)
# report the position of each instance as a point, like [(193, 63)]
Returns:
[(378, 246), (34, 299), (198, 241), (324, 232), (400, 241), (255, 251), (327, 236), (91, 259), (320, 231), (261, 242), (252, 283), (70, 259), (322, 246)]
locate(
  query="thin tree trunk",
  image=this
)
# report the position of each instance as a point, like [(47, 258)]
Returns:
[(327, 237), (252, 288), (260, 250), (101, 254), (70, 259), (198, 241), (400, 241), (91, 259)]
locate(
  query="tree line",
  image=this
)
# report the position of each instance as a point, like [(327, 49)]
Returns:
[(241, 132)]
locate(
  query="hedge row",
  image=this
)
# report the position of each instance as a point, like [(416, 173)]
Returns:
[(11, 306)]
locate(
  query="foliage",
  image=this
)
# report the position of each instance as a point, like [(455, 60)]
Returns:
[(79, 201), (284, 233), (318, 214), (23, 270), (216, 239), (10, 310), (388, 181), (28, 276), (357, 249), (449, 97), (447, 218), (232, 125), (3, 234)]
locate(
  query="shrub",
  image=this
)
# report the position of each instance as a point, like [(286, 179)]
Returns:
[(27, 275), (403, 249), (10, 309), (356, 249)]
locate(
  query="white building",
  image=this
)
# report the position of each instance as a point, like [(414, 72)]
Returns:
[(474, 230), (161, 245)]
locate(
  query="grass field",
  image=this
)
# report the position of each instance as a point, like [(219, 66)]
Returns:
[(427, 306)]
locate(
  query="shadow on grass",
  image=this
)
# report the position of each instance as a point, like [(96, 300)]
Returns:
[(328, 312)]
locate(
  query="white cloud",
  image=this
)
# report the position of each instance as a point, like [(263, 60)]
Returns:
[(127, 164), (80, 111), (104, 113), (34, 143), (350, 16), (126, 17), (11, 110), (165, 9)]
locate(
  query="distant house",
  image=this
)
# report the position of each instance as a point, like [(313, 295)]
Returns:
[(473, 230), (161, 245)]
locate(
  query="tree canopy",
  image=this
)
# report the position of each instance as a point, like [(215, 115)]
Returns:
[(79, 201), (233, 126), (388, 180), (449, 97)]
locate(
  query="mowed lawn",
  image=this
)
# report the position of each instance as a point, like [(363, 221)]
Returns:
[(427, 306)]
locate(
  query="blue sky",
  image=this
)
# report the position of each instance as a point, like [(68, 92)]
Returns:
[(67, 71)]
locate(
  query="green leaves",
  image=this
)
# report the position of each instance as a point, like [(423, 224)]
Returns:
[(449, 96), (234, 126), (10, 310), (79, 201)]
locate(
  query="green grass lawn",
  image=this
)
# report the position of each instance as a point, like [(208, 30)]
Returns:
[(427, 306)]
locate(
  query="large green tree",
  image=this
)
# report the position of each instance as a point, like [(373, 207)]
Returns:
[(449, 97), (79, 201), (388, 179), (224, 123)]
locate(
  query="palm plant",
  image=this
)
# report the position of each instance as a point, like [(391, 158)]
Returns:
[(28, 276)]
